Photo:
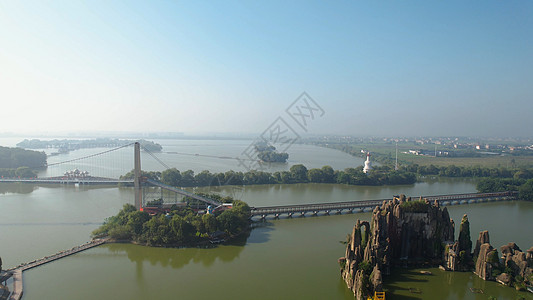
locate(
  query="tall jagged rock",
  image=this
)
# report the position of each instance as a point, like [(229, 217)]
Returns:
[(482, 239), (486, 262), (487, 257), (458, 255), (400, 232), (465, 242)]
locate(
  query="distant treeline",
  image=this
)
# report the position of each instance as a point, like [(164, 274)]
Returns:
[(524, 187), (22, 172), (296, 174), (181, 227), (469, 171), (17, 162)]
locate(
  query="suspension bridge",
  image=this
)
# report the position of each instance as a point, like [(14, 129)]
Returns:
[(72, 171)]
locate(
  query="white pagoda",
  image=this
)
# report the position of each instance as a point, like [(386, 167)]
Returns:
[(368, 163)]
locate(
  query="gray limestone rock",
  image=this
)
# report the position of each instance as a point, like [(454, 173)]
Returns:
[(487, 261), (401, 231), (504, 279)]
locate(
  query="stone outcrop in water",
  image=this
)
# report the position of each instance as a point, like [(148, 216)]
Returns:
[(482, 239), (457, 255), (515, 267), (401, 232), (517, 261), (405, 232), (486, 257)]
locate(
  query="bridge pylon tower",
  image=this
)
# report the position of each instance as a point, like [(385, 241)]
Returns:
[(137, 176)]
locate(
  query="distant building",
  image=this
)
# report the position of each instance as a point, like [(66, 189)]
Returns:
[(368, 164)]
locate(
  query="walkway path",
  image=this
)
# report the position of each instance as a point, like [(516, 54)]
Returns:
[(17, 271)]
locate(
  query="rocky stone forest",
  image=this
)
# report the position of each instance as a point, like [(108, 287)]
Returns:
[(411, 233)]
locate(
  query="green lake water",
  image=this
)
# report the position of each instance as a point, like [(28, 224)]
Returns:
[(280, 259)]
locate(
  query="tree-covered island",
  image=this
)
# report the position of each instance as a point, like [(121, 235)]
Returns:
[(17, 162), (268, 153), (180, 227)]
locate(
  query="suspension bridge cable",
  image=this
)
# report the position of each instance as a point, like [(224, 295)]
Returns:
[(88, 156), (212, 156), (155, 157)]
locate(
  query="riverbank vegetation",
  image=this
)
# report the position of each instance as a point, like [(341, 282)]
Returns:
[(182, 226), (296, 174), (524, 187), (17, 162)]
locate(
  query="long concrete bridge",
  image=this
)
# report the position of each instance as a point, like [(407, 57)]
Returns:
[(362, 205), (16, 272)]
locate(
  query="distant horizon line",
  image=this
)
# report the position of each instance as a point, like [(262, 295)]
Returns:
[(230, 135)]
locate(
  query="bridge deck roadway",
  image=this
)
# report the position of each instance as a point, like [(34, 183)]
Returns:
[(350, 205), (17, 271)]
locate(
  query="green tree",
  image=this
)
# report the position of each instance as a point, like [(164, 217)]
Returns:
[(228, 221), (523, 174), (121, 232), (525, 192), (171, 177), (328, 174), (136, 219), (204, 178), (299, 173), (25, 172), (286, 177), (157, 231), (187, 178), (315, 175), (210, 222), (181, 228)]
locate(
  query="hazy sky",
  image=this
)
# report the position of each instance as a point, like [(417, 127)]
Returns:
[(376, 68)]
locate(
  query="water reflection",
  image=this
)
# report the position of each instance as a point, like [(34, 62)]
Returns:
[(27, 188), (410, 284), (177, 258), (16, 188), (262, 230)]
